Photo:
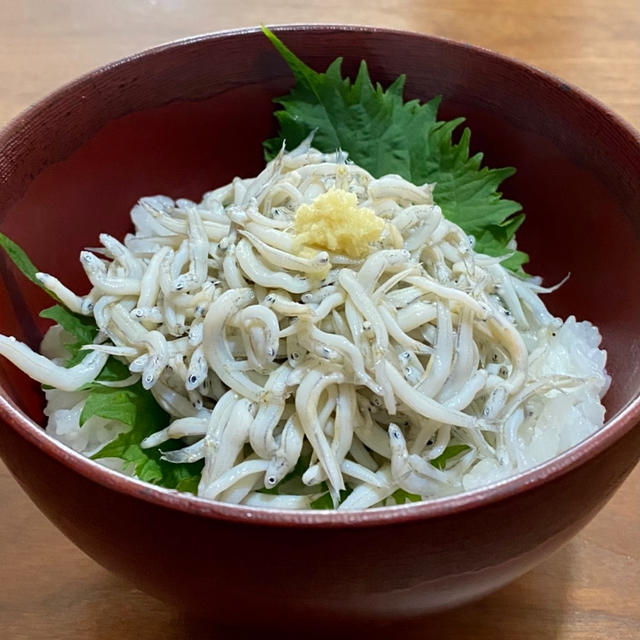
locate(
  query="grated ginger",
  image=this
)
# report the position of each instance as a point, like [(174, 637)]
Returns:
[(333, 221)]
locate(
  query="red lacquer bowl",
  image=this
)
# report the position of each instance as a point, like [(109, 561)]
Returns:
[(185, 117)]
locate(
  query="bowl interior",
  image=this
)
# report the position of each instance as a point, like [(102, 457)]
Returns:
[(188, 117)]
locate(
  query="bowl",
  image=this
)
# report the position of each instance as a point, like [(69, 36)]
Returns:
[(185, 117)]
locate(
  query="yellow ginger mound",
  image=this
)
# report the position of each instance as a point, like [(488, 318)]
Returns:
[(334, 222)]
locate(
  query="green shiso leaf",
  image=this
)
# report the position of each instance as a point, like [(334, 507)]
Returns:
[(401, 496), (384, 134), (83, 328), (19, 257), (450, 452), (137, 408), (326, 502), (133, 405)]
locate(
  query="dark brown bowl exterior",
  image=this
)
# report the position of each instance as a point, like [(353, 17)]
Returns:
[(186, 117)]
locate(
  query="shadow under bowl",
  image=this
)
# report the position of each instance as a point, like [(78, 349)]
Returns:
[(188, 116)]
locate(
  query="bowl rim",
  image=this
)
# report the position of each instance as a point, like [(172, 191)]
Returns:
[(614, 428)]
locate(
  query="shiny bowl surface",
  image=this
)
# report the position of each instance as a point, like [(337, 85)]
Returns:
[(183, 118)]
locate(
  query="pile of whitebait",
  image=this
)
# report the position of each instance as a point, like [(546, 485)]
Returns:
[(373, 366)]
